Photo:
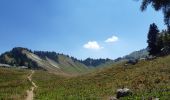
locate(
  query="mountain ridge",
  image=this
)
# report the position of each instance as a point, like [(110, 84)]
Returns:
[(59, 63), (143, 53), (51, 61)]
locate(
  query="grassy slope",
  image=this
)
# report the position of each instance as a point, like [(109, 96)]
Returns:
[(147, 78), (65, 65), (69, 66), (13, 84)]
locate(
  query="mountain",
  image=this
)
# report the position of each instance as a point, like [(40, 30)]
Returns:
[(137, 54), (61, 61), (18, 57), (51, 61), (143, 53)]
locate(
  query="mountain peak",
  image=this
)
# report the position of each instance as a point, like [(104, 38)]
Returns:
[(20, 49)]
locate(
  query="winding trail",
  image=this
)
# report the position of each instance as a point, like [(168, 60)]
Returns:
[(30, 93)]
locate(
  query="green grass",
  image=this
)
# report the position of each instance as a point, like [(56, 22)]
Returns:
[(13, 84), (145, 79), (72, 67)]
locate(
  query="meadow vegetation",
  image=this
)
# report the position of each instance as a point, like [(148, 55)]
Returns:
[(145, 79), (13, 83)]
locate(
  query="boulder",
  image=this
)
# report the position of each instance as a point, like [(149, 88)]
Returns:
[(123, 92)]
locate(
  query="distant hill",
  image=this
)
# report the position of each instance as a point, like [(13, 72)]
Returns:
[(60, 63), (137, 54), (17, 57), (143, 53), (51, 61), (95, 62), (89, 62)]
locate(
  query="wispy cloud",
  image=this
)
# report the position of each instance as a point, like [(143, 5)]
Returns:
[(112, 39), (92, 45)]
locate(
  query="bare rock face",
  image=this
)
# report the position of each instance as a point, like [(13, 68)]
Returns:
[(123, 92)]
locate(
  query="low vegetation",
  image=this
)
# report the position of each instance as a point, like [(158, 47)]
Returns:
[(145, 79), (13, 84)]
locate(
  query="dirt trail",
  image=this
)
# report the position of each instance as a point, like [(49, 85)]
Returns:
[(30, 93)]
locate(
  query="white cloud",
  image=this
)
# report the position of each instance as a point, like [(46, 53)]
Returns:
[(112, 39), (92, 45)]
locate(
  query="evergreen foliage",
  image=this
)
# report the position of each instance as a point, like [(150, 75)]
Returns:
[(44, 54), (163, 5), (153, 36), (158, 42), (15, 57), (94, 62)]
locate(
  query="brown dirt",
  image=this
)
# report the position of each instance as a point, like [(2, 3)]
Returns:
[(30, 93)]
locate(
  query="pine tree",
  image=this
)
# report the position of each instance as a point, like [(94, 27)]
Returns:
[(166, 42), (160, 42), (153, 36), (163, 5)]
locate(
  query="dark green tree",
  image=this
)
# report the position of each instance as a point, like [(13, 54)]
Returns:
[(163, 5), (153, 36), (166, 42), (160, 42)]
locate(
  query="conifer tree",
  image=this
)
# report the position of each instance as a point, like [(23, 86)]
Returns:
[(153, 36), (163, 5)]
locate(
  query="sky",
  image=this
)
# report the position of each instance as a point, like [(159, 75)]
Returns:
[(79, 28)]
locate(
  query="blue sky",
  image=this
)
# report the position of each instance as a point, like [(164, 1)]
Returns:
[(80, 28)]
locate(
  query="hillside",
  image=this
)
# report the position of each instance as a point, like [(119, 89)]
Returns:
[(20, 57), (145, 79), (96, 62), (143, 53), (17, 57), (50, 61), (137, 54)]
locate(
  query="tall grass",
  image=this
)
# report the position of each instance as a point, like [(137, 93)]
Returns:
[(13, 84), (145, 79)]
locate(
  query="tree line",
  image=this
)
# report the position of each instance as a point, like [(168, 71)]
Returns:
[(15, 57), (158, 42)]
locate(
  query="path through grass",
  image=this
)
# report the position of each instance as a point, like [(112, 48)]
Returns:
[(13, 84)]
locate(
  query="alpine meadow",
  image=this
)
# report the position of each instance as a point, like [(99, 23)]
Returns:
[(85, 50)]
